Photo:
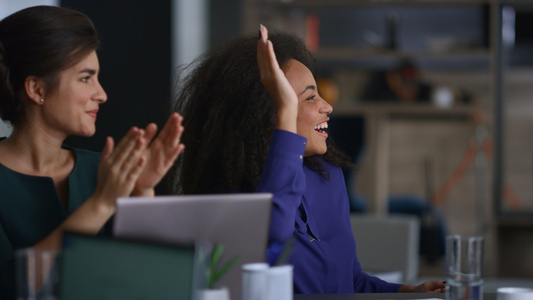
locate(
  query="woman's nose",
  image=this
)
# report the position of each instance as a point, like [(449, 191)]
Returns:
[(326, 108), (101, 95)]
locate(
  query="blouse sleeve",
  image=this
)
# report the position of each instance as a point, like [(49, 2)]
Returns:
[(364, 283), (283, 176)]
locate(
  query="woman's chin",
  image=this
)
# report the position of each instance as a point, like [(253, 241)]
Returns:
[(311, 152), (88, 132)]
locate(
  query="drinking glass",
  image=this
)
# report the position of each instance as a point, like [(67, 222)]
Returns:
[(464, 261), (36, 273)]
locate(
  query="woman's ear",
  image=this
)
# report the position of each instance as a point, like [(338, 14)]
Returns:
[(35, 89)]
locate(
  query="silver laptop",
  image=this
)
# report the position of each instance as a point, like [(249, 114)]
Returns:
[(240, 222)]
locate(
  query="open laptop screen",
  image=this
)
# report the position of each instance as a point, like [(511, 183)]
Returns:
[(240, 222)]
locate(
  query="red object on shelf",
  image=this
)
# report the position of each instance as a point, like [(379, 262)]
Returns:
[(312, 24)]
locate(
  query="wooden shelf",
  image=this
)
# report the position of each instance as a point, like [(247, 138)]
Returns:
[(355, 3), (344, 57), (515, 2), (517, 220), (350, 53), (405, 109)]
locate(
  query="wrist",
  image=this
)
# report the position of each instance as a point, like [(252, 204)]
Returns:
[(287, 118), (102, 206), (149, 192), (406, 289)]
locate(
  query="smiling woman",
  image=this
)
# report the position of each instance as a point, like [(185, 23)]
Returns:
[(49, 90), (256, 122)]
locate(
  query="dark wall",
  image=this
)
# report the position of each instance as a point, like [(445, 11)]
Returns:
[(135, 63), (224, 21), (520, 53)]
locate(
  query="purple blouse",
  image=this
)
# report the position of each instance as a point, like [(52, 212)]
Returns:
[(316, 211)]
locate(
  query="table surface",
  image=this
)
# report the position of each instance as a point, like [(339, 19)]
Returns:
[(380, 296)]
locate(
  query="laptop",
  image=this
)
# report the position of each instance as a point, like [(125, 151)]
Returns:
[(240, 222), (96, 267)]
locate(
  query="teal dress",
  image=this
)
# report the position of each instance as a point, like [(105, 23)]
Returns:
[(30, 209)]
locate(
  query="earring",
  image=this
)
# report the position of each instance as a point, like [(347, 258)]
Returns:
[(42, 100)]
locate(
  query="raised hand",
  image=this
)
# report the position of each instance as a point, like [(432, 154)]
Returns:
[(276, 83), (160, 154)]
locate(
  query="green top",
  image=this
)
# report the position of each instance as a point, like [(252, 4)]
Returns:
[(30, 209)]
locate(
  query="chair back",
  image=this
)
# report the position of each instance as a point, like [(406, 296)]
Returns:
[(387, 244)]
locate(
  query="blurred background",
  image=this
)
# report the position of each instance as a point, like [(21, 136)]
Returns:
[(432, 100)]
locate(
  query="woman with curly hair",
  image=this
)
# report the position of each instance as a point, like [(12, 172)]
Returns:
[(256, 123)]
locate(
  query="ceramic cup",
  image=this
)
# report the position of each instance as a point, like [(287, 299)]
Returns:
[(262, 282), (514, 293)]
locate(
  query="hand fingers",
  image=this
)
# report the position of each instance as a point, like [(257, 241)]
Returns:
[(178, 131), (435, 286), (170, 140), (149, 132), (133, 168), (271, 56), (179, 149), (263, 55), (130, 155), (268, 59), (121, 166), (129, 143), (108, 147), (172, 127), (169, 158), (263, 31), (131, 135), (261, 48), (170, 136), (176, 152)]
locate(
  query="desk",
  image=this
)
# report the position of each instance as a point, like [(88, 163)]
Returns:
[(380, 296)]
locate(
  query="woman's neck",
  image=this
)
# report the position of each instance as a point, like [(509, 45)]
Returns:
[(33, 151)]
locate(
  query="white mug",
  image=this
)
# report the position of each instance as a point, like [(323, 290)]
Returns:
[(514, 293), (261, 282), (254, 281)]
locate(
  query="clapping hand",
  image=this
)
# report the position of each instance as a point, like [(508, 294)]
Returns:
[(160, 154), (120, 167)]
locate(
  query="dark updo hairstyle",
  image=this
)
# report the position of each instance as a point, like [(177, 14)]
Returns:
[(39, 41), (229, 117)]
